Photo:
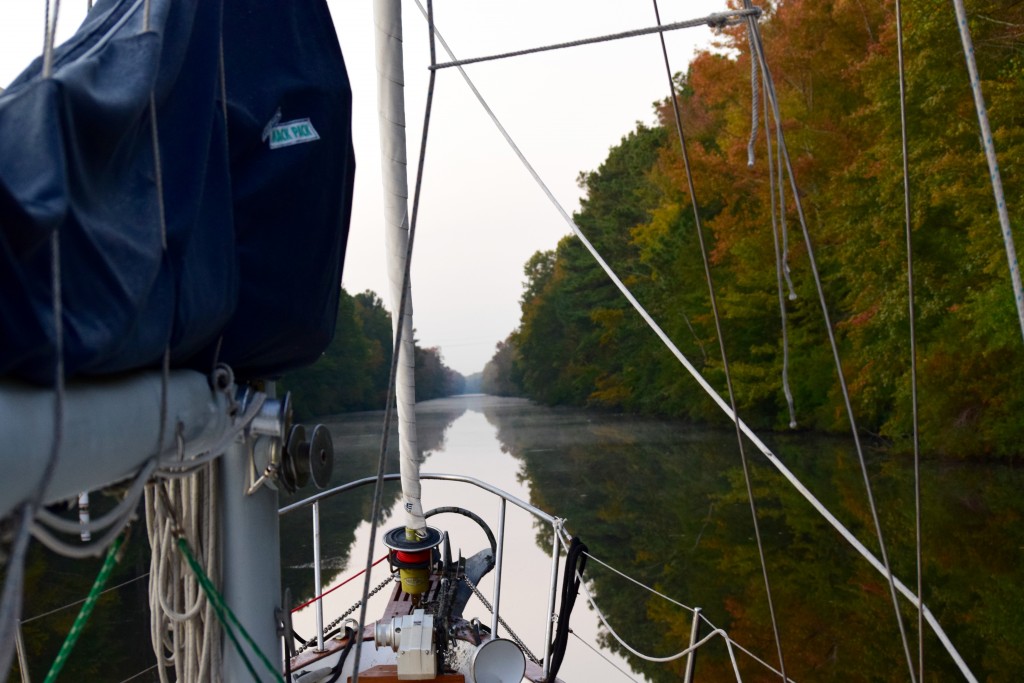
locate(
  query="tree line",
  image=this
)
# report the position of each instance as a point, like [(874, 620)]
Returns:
[(834, 65), (353, 372)]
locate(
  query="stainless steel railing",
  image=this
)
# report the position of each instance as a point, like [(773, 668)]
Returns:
[(504, 498)]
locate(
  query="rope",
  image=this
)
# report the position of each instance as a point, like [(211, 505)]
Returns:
[(673, 601), (141, 673), (79, 602), (86, 611), (601, 655), (11, 602), (116, 520), (756, 45), (183, 622), (911, 317), (644, 586), (745, 650), (11, 597), (780, 266), (188, 467), (226, 617), (990, 157), (754, 106), (717, 633), (328, 592), (718, 329), (716, 20)]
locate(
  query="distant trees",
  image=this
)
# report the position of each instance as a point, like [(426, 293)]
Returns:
[(500, 376), (354, 370), (835, 68), (434, 379)]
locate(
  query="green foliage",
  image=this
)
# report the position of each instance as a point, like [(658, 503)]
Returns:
[(835, 68), (500, 377), (354, 370)]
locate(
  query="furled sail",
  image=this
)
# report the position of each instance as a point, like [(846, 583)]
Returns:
[(387, 16)]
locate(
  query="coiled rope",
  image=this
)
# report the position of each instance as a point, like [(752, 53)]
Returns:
[(183, 623)]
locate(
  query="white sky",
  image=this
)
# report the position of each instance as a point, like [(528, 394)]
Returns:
[(481, 216)]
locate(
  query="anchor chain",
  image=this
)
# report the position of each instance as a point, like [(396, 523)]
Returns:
[(350, 610), (517, 639)]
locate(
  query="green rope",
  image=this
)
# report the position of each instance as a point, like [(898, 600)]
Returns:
[(86, 611), (224, 614)]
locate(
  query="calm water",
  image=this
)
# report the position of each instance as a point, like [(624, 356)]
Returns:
[(664, 502)]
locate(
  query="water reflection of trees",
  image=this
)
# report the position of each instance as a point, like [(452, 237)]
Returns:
[(115, 642), (357, 449), (668, 504)]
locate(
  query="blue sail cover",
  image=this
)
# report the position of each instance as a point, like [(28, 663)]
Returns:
[(252, 196)]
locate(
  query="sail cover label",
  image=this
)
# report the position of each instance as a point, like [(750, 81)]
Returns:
[(291, 133)]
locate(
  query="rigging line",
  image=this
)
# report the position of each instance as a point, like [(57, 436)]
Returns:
[(80, 552), (990, 157), (378, 489), (913, 333), (699, 229), (144, 671), (783, 225), (779, 267), (715, 20), (602, 655), (11, 597), (113, 555), (660, 660), (645, 587), (754, 104), (79, 602), (49, 34), (746, 651), (784, 151), (224, 614), (334, 588), (794, 481), (123, 509)]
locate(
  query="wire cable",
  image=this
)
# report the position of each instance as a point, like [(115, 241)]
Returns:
[(86, 611), (713, 298), (911, 318), (716, 20), (772, 458), (79, 602), (601, 655), (757, 46), (990, 156)]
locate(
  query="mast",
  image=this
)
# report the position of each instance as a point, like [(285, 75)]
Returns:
[(391, 118)]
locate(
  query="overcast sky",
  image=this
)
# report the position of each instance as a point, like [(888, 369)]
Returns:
[(481, 215)]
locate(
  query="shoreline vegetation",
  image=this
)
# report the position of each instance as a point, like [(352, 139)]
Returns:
[(578, 343)]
